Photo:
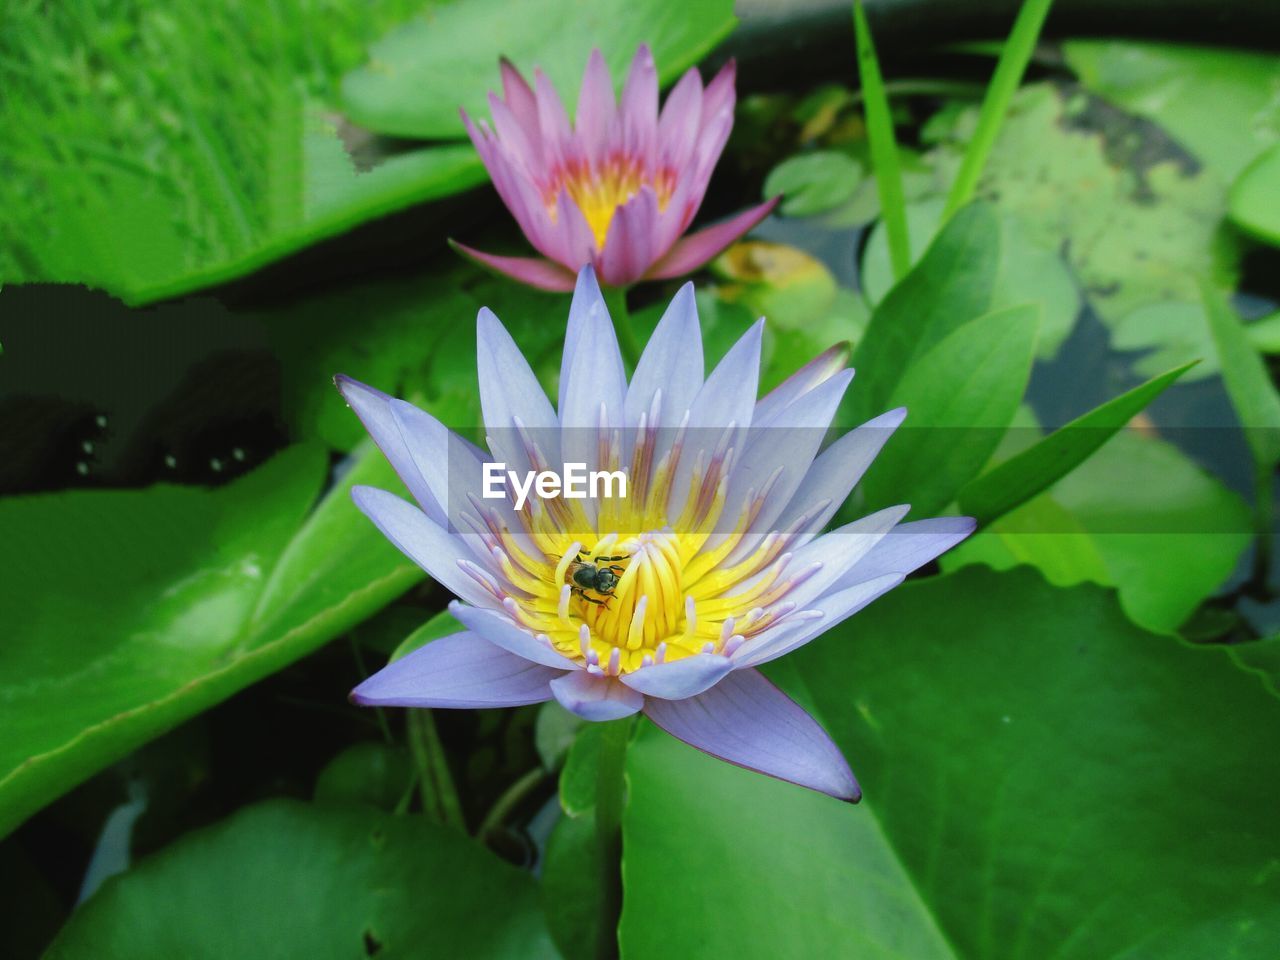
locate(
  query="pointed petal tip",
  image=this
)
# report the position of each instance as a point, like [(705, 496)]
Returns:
[(531, 271)]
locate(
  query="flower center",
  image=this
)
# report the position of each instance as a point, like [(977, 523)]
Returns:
[(599, 190), (616, 602)]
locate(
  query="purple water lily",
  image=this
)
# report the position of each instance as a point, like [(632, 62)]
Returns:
[(664, 601), (619, 188)]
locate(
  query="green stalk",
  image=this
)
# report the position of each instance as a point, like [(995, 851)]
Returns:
[(435, 782), (615, 298), (1004, 82), (884, 148), (610, 796)]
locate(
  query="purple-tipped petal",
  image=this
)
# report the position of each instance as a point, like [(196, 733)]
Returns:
[(837, 470), (680, 678), (693, 251), (747, 721), (500, 631), (781, 453), (628, 246), (429, 546), (834, 555), (373, 407), (729, 395), (909, 547), (817, 371), (672, 363), (460, 671), (835, 609), (510, 392), (535, 272), (594, 697), (593, 378), (587, 302)]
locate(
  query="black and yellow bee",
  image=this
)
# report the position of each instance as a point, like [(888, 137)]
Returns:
[(600, 576)]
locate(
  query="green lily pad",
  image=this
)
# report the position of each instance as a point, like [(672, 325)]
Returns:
[(1017, 742), (287, 879), (812, 183), (1220, 103), (1135, 220), (1254, 202), (420, 73), (127, 612), (1168, 535)]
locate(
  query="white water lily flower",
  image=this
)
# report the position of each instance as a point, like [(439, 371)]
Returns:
[(666, 600)]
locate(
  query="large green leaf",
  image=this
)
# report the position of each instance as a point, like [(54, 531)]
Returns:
[(128, 611), (420, 73), (1054, 781), (284, 879), (1255, 197), (188, 148), (411, 336), (953, 283), (726, 863), (1218, 102), (1029, 271), (1024, 475), (1261, 657), (960, 396), (1137, 515)]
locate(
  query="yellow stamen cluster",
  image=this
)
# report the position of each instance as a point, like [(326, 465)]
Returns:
[(600, 190), (685, 587)]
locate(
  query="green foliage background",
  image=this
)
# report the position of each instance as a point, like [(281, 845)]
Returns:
[(1068, 733)]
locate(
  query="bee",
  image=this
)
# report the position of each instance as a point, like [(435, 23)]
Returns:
[(600, 575)]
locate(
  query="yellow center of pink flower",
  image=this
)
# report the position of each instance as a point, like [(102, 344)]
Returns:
[(599, 191)]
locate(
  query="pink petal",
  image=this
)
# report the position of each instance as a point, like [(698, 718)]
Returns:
[(553, 122), (747, 721), (678, 125), (461, 671), (576, 242), (540, 274), (640, 108), (693, 251), (628, 246), (596, 109), (520, 98)]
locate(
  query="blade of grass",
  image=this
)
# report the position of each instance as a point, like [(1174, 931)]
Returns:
[(1254, 397), (1020, 478), (1009, 69), (884, 148)]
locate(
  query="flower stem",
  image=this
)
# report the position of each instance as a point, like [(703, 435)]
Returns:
[(435, 782), (610, 796), (615, 299)]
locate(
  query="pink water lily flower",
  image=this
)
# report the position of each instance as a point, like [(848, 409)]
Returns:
[(618, 188), (668, 599)]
